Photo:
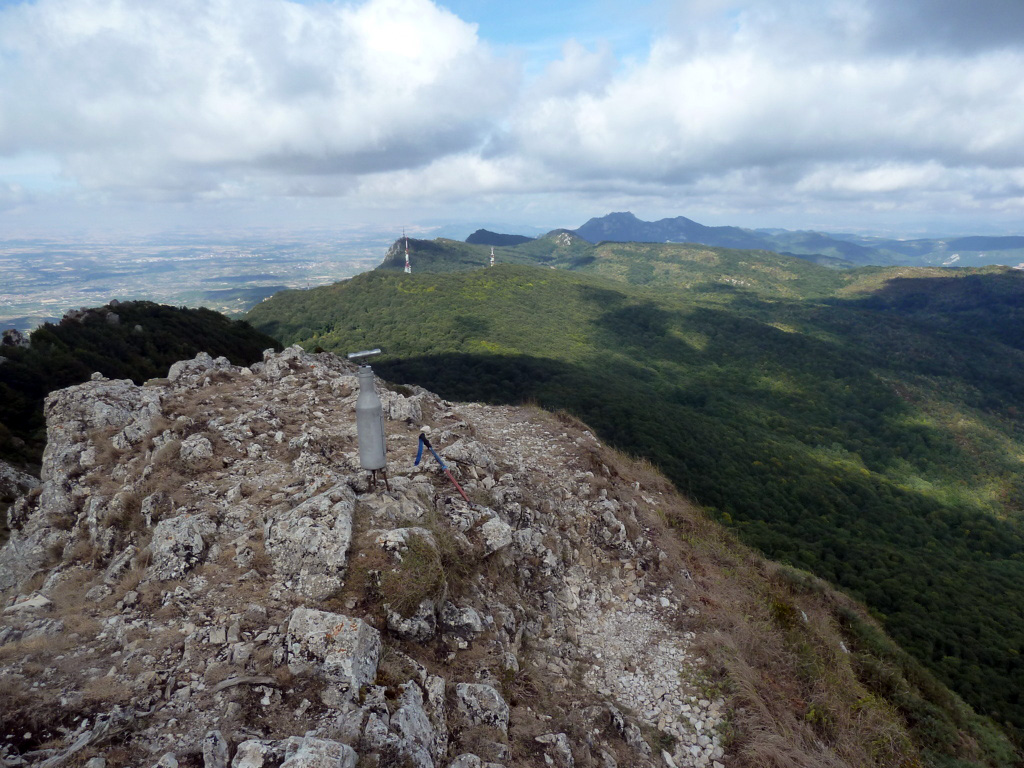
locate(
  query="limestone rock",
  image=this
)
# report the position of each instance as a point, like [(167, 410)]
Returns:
[(420, 627), (215, 750), (201, 365), (411, 724), (344, 650), (397, 539), (280, 519), (309, 544), (33, 602), (400, 408), (195, 450), (309, 752), (14, 482), (482, 705), (73, 414), (497, 535), (470, 452), (461, 621), (276, 365), (558, 749), (258, 754), (178, 545)]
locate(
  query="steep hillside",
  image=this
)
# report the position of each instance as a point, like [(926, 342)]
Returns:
[(134, 339), (206, 578), (877, 447)]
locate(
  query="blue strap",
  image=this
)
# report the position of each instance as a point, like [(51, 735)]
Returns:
[(419, 452), (443, 465)]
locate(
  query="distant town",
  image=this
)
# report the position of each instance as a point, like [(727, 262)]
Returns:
[(43, 279)]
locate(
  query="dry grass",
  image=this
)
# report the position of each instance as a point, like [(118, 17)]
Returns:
[(35, 650), (106, 691)]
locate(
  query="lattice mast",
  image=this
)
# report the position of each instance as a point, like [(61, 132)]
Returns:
[(492, 255), (408, 266)]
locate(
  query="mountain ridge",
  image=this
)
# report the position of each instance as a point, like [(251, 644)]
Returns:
[(961, 250), (576, 612)]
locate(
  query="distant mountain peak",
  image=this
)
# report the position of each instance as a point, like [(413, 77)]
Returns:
[(486, 237)]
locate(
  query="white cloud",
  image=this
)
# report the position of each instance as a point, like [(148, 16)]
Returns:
[(136, 95), (737, 105), (678, 115)]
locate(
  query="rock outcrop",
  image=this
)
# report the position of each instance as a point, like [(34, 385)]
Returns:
[(206, 577)]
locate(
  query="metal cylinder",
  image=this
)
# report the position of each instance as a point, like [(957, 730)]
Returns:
[(370, 422)]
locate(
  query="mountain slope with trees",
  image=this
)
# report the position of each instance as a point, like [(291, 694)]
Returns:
[(135, 340), (831, 418)]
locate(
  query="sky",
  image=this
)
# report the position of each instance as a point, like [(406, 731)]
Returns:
[(142, 116)]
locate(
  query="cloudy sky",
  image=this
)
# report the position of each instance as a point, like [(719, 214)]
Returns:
[(856, 115)]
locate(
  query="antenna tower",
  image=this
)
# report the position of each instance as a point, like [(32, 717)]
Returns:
[(492, 255), (408, 266)]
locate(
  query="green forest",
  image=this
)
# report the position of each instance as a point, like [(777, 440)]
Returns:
[(863, 425), (146, 340)]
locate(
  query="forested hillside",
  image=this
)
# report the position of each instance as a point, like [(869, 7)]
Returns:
[(862, 425), (135, 340)]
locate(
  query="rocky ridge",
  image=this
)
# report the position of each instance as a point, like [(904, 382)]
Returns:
[(206, 577)]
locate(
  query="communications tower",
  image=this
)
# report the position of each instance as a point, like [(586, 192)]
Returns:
[(408, 266), (492, 255)]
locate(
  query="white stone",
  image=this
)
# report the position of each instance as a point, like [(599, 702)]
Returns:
[(319, 753), (464, 621), (195, 450), (411, 723), (256, 754), (497, 535), (482, 705), (33, 602), (178, 545), (344, 650), (215, 750), (309, 544)]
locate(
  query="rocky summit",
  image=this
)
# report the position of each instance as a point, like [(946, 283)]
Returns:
[(206, 577)]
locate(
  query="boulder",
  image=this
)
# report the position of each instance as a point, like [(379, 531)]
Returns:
[(215, 750), (497, 535), (461, 621), (344, 650), (309, 752), (196, 450), (277, 365), (400, 408), (482, 705), (178, 545), (411, 724), (258, 754), (470, 452), (558, 751), (28, 603), (309, 544), (420, 627), (191, 370)]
